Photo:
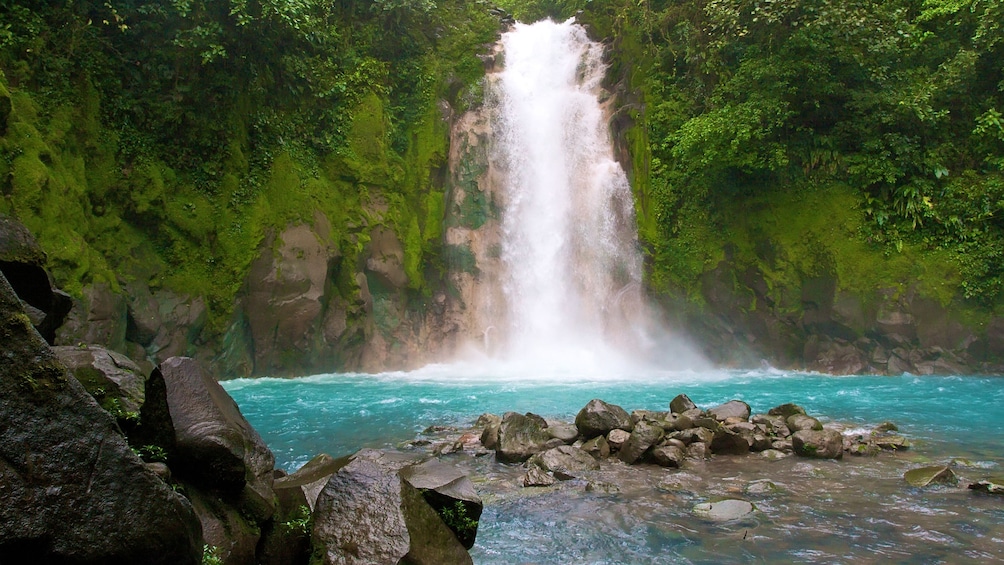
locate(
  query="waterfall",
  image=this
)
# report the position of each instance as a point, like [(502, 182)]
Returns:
[(571, 275)]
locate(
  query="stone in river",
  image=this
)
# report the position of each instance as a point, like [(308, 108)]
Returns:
[(681, 404), (825, 444), (731, 409), (937, 474), (724, 510), (599, 418)]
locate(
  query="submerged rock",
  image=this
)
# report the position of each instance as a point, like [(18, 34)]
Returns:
[(537, 477), (599, 418), (989, 486), (937, 474), (724, 510)]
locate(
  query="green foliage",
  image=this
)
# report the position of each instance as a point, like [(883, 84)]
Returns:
[(299, 522), (151, 453), (212, 555), (456, 518)]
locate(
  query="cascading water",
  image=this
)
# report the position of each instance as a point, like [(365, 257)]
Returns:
[(571, 270)]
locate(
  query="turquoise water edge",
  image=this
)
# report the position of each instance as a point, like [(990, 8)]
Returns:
[(855, 510)]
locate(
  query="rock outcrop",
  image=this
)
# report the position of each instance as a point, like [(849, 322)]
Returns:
[(73, 491)]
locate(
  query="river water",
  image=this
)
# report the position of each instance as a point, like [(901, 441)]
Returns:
[(857, 510)]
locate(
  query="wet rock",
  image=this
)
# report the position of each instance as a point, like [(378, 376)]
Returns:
[(773, 425), (99, 317), (669, 456), (71, 489), (565, 462), (112, 379), (885, 427), (367, 514), (598, 447), (937, 474), (233, 535), (728, 442), (892, 443), (761, 487), (520, 436), (676, 422), (731, 409), (786, 410), (537, 477), (617, 438), (600, 418), (681, 404), (760, 443), (799, 422), (698, 450), (825, 444), (782, 445), (285, 540), (724, 510), (451, 494), (773, 454), (22, 262), (215, 447), (702, 435), (311, 478), (490, 435), (566, 433), (644, 436), (988, 486)]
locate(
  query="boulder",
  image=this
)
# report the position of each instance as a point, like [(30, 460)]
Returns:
[(698, 450), (617, 438), (681, 404), (937, 474), (537, 477), (565, 462), (988, 486), (99, 317), (215, 447), (72, 489), (644, 436), (731, 409), (798, 422), (702, 435), (113, 379), (824, 444), (599, 418), (451, 494), (368, 514), (598, 447), (490, 433), (891, 442), (520, 436), (786, 410), (669, 456), (561, 431), (309, 479), (285, 539), (232, 536), (728, 442), (724, 510)]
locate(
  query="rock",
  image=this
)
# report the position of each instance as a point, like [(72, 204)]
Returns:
[(617, 438), (22, 262), (451, 494), (233, 535), (798, 422), (937, 474), (565, 462), (989, 486), (731, 409), (537, 477), (774, 425), (368, 514), (216, 448), (98, 318), (669, 456), (490, 435), (599, 418), (567, 433), (773, 454), (681, 404), (762, 486), (786, 410), (285, 540), (598, 447), (892, 443), (782, 445), (885, 427), (698, 450), (520, 436), (760, 443), (728, 442), (644, 436), (702, 435), (677, 422), (487, 419), (111, 378), (72, 490), (825, 444), (724, 510), (311, 478)]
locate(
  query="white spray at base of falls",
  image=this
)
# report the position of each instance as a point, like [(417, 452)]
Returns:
[(572, 271)]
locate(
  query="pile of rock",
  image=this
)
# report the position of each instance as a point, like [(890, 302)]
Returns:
[(556, 450)]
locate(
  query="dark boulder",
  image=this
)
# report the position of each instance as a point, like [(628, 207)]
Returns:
[(799, 422), (681, 404), (451, 494), (599, 418), (368, 514), (113, 379), (311, 478), (786, 410), (669, 456), (216, 448), (730, 442), (22, 262), (72, 490), (598, 447), (520, 436)]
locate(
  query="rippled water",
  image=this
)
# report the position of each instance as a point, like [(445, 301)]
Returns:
[(855, 510)]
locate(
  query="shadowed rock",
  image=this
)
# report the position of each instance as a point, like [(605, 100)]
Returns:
[(71, 489), (520, 436), (599, 418)]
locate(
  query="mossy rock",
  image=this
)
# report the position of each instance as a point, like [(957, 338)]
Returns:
[(925, 476)]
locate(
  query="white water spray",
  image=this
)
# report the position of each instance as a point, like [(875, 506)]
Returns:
[(572, 271)]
